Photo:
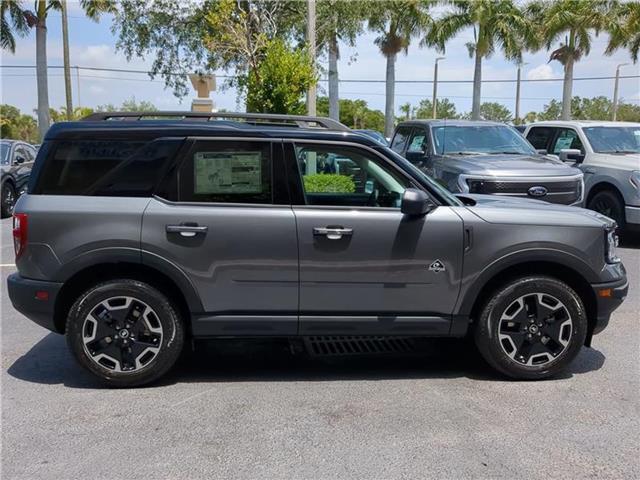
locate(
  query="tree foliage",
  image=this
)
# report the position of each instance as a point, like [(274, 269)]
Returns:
[(624, 28), (596, 108), (277, 84), (354, 114), (16, 125), (496, 112), (328, 183), (61, 115), (12, 21), (445, 108), (129, 105)]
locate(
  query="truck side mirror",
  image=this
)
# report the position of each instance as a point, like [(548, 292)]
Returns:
[(416, 202), (571, 155), (542, 151)]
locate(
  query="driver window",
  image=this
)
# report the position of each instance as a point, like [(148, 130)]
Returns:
[(566, 139), (418, 142), (348, 176)]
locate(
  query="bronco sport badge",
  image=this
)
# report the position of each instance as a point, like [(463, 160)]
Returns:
[(437, 267)]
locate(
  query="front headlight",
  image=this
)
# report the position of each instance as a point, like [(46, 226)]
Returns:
[(634, 179), (610, 247)]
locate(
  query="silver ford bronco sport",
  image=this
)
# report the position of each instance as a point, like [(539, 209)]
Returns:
[(139, 233)]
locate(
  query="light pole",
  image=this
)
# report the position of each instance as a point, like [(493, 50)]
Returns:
[(615, 91), (311, 39), (435, 86), (517, 119), (65, 58)]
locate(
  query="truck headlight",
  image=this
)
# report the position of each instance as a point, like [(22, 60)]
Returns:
[(610, 247)]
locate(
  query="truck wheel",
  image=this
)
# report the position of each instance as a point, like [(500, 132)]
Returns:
[(8, 200), (531, 328), (125, 332), (608, 203)]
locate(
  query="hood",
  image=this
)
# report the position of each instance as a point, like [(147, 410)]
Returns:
[(510, 165), (524, 211), (624, 161)]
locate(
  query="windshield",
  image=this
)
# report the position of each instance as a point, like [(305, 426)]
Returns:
[(614, 139), (480, 140), (4, 153), (421, 176)]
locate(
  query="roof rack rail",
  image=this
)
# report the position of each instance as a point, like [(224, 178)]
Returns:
[(300, 121)]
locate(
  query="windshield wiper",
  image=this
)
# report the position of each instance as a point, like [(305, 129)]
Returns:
[(464, 153), (619, 151), (507, 152)]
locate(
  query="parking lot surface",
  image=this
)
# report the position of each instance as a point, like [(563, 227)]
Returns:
[(255, 410)]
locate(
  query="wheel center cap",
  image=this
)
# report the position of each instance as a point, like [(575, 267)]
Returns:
[(124, 333), (533, 328)]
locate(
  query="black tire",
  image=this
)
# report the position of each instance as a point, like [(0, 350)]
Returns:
[(498, 336), (163, 318), (610, 204), (8, 199)]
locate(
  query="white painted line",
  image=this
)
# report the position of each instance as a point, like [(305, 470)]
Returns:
[(7, 264)]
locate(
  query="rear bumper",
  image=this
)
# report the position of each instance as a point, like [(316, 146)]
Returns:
[(609, 296), (27, 298)]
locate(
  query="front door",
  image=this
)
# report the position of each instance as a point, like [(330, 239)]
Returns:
[(365, 268), (223, 222)]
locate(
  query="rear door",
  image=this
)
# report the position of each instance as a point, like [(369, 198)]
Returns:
[(365, 268), (224, 220)]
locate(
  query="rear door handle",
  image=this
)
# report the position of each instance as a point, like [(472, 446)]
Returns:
[(333, 233), (187, 229)]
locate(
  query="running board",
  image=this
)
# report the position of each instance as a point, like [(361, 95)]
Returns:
[(332, 346)]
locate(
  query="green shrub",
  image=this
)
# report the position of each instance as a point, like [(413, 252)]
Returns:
[(329, 183)]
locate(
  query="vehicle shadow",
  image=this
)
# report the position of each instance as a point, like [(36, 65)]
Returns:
[(630, 240), (50, 362)]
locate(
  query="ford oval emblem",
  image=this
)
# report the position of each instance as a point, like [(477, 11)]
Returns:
[(537, 191)]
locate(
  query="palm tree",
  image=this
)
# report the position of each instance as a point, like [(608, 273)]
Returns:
[(406, 109), (570, 22), (337, 20), (12, 21), (37, 18), (397, 22), (624, 30), (495, 23)]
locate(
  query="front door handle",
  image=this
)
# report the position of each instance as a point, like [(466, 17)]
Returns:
[(187, 229), (333, 233)]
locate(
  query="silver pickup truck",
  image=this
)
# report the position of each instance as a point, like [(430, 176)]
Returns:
[(483, 157), (609, 155)]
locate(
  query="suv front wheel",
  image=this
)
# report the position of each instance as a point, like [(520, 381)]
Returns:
[(125, 332), (531, 328)]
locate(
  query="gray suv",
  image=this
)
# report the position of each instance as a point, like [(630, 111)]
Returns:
[(140, 234), (487, 158)]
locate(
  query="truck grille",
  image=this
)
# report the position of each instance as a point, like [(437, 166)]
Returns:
[(553, 191)]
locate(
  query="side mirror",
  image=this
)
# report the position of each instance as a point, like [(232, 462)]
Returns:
[(19, 159), (417, 156), (542, 151), (415, 202), (571, 155)]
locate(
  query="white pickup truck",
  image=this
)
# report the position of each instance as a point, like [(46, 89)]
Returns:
[(608, 153)]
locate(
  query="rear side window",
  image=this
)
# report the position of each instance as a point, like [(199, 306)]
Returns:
[(227, 172), (105, 167), (400, 139), (539, 137)]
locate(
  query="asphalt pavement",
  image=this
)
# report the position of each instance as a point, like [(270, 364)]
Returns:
[(256, 410)]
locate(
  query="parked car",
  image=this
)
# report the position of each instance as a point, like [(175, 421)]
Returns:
[(133, 241), (609, 155), (488, 158), (375, 135), (16, 161)]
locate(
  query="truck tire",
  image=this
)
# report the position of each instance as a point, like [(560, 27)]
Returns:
[(125, 332), (531, 328)]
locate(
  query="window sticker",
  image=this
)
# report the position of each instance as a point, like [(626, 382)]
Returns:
[(228, 172), (563, 143)]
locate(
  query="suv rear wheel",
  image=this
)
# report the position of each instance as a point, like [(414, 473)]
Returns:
[(125, 332), (531, 328)]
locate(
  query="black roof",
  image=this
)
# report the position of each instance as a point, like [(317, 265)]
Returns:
[(149, 129)]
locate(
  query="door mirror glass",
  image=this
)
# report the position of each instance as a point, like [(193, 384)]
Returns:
[(19, 159), (571, 155), (416, 202)]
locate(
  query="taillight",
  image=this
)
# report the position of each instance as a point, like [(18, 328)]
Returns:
[(19, 233)]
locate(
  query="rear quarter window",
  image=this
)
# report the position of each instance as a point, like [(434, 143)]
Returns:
[(105, 167)]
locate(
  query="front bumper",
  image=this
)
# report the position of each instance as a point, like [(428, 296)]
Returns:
[(609, 296), (35, 299), (632, 215)]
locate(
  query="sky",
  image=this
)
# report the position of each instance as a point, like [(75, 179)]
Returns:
[(93, 45)]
